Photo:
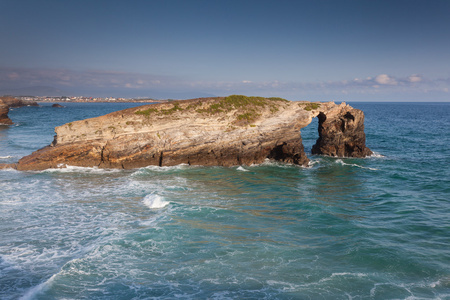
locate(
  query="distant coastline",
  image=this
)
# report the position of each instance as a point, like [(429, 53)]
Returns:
[(83, 99)]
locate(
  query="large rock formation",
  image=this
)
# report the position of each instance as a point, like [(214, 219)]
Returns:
[(4, 119), (235, 130), (14, 102), (6, 102), (341, 133)]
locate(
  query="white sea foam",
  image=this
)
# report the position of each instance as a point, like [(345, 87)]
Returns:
[(153, 201), (341, 162), (9, 170), (5, 157), (34, 291), (435, 284), (313, 162), (63, 168), (348, 274), (165, 168), (377, 155), (284, 286), (271, 162), (240, 168)]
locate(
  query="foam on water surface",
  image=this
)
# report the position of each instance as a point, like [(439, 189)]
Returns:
[(377, 155), (154, 201), (341, 162), (63, 168), (241, 168)]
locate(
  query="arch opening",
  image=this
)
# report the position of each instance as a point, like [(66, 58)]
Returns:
[(310, 134)]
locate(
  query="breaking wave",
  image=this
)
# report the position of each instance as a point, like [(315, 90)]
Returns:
[(154, 201), (341, 162)]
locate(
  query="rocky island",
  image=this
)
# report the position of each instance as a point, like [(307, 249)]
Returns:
[(6, 102), (4, 110), (220, 131), (14, 102)]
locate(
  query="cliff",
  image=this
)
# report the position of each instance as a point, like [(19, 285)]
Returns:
[(341, 133), (14, 102), (4, 110), (235, 130), (6, 102)]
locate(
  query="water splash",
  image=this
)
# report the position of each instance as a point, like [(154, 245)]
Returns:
[(240, 168), (154, 201)]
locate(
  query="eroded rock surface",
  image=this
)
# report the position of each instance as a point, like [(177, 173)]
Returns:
[(235, 130), (341, 133), (4, 110)]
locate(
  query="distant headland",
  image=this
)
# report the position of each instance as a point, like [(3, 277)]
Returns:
[(77, 99)]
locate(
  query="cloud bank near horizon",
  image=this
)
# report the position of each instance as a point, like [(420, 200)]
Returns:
[(412, 87)]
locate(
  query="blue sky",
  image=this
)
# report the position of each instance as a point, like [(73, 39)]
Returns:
[(355, 50)]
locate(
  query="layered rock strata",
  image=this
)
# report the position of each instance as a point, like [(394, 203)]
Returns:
[(235, 130), (4, 110)]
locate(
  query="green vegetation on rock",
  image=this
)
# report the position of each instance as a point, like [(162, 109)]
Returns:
[(176, 107), (247, 108), (311, 106), (278, 99), (149, 111), (248, 116), (146, 112)]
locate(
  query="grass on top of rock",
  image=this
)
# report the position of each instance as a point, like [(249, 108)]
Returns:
[(149, 111), (310, 106), (240, 101), (146, 112), (247, 106)]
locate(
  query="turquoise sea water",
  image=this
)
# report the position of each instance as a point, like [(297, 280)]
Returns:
[(374, 228)]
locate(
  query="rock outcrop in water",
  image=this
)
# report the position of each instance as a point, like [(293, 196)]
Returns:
[(4, 110), (235, 130), (341, 133), (14, 102)]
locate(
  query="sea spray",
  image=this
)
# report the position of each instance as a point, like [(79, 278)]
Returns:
[(240, 168), (154, 201)]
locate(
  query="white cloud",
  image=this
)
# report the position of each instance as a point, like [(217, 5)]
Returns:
[(415, 78), (137, 82), (385, 79)]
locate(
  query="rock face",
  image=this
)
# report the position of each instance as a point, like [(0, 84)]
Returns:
[(4, 119), (57, 105), (13, 102), (235, 130), (341, 133)]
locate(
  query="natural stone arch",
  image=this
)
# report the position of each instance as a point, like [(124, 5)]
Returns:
[(219, 131)]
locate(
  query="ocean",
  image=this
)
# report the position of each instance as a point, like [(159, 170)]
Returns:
[(372, 228)]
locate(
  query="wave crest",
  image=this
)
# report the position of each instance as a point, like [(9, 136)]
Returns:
[(153, 201)]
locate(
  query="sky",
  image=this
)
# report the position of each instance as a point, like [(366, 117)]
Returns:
[(316, 50)]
